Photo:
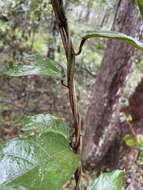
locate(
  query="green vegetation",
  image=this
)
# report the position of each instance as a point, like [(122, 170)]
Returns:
[(41, 129)]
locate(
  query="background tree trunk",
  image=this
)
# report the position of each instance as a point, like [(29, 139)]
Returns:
[(52, 43), (135, 107), (103, 112)]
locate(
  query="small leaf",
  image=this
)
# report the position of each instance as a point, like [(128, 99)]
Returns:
[(109, 181), (140, 5), (111, 35), (130, 140), (39, 162), (134, 142), (40, 66)]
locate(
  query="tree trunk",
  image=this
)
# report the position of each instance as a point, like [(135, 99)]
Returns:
[(136, 103), (52, 43), (103, 112)]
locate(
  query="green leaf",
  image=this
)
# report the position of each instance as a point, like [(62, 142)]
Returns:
[(42, 123), (109, 181), (140, 156), (40, 66), (140, 142), (130, 140), (3, 187), (134, 142), (111, 35), (140, 4), (38, 162)]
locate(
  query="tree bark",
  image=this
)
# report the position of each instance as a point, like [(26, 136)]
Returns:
[(52, 42), (135, 107), (103, 112)]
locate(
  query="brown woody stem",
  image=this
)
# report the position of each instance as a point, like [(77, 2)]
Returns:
[(70, 55)]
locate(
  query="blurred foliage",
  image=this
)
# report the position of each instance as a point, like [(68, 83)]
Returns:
[(110, 180), (27, 26)]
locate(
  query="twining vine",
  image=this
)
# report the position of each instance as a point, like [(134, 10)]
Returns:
[(61, 20), (62, 23)]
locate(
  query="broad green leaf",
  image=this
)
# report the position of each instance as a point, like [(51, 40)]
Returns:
[(42, 161), (140, 4), (40, 66), (109, 181), (42, 123), (111, 35)]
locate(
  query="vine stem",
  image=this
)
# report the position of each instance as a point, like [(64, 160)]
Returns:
[(70, 56), (62, 23), (77, 179)]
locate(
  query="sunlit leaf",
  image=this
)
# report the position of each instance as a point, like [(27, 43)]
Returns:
[(109, 181), (111, 35), (37, 162)]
